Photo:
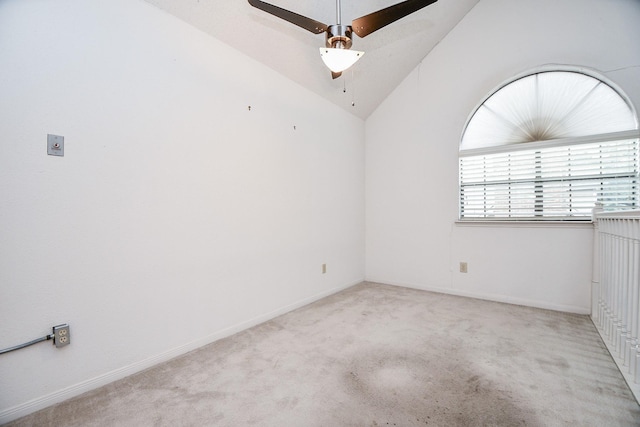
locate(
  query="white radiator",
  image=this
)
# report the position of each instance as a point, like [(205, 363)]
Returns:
[(616, 288)]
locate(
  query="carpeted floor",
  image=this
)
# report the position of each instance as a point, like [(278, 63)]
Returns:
[(377, 355)]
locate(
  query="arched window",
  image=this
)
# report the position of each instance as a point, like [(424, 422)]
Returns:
[(548, 146)]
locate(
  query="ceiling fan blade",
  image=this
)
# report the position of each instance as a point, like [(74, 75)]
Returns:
[(335, 75), (299, 20), (367, 24)]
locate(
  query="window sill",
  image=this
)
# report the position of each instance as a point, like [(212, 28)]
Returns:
[(587, 224)]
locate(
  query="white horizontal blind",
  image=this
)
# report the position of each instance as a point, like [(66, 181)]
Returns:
[(558, 182)]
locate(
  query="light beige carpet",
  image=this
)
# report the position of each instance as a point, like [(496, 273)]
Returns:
[(377, 355)]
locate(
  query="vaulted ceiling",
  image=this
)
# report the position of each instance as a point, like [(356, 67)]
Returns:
[(390, 53)]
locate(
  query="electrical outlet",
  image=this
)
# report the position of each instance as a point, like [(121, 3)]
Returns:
[(61, 335), (463, 267)]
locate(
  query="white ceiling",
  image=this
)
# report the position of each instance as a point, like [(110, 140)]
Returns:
[(390, 53)]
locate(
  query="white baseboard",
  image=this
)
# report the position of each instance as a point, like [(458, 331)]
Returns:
[(34, 405), (490, 297)]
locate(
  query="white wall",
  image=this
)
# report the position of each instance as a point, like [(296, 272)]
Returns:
[(412, 153), (177, 215)]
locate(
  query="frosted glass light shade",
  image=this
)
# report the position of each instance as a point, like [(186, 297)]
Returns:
[(339, 60)]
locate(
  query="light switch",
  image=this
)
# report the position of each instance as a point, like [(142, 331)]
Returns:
[(55, 145)]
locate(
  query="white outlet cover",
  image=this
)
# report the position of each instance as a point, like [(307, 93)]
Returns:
[(55, 145)]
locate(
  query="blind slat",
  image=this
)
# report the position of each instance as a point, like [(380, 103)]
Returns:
[(550, 182)]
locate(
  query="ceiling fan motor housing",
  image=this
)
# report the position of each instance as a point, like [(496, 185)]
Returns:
[(339, 36)]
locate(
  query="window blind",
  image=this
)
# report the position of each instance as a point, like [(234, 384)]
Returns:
[(559, 181)]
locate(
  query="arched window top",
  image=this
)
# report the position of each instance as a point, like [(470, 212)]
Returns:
[(548, 105)]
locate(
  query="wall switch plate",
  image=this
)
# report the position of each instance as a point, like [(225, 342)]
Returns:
[(61, 335), (324, 268), (55, 145)]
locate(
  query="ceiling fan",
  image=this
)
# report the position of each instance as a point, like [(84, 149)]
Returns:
[(337, 54)]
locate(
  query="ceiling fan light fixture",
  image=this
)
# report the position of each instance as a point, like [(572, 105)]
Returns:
[(337, 54), (338, 60)]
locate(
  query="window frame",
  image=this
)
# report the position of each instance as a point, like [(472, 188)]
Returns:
[(632, 134)]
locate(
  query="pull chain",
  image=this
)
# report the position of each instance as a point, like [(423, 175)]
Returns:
[(353, 89)]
